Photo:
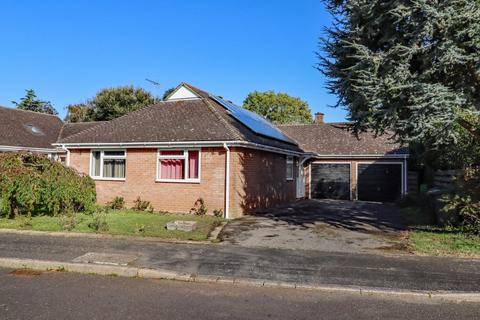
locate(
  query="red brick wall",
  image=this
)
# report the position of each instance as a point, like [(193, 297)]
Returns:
[(258, 180), (170, 196)]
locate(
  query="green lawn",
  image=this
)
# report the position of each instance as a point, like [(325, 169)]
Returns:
[(122, 222), (425, 238)]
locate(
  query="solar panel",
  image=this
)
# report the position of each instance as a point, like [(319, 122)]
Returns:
[(253, 121)]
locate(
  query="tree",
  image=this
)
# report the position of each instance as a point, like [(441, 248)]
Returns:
[(78, 112), (110, 103), (407, 66), (167, 92), (30, 102), (278, 107)]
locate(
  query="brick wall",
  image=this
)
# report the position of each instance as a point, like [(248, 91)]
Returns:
[(258, 180), (170, 196)]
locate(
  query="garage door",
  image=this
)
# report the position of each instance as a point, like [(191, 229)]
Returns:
[(330, 181), (379, 182)]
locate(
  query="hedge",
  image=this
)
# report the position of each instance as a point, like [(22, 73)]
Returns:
[(33, 184)]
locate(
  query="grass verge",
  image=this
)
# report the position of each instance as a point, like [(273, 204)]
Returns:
[(122, 222), (426, 238)]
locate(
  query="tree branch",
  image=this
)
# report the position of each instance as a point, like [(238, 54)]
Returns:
[(474, 131)]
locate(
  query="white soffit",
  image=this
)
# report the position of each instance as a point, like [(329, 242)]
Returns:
[(183, 93)]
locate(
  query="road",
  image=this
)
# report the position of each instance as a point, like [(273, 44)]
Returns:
[(301, 267), (73, 296)]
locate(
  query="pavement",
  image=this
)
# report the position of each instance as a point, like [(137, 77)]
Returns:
[(294, 268), (58, 295), (322, 225)]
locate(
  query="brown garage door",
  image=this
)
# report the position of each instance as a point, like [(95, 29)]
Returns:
[(330, 181), (379, 182)]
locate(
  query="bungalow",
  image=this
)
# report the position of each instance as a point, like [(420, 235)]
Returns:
[(193, 145), (199, 145)]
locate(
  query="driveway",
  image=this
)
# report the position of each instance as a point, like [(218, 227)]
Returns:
[(323, 225)]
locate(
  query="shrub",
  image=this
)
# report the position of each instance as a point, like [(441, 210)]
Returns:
[(140, 228), (99, 222), (34, 184), (465, 202), (117, 203), (218, 213), (68, 221), (199, 208), (140, 205)]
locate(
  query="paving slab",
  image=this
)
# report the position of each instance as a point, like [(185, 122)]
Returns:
[(115, 259)]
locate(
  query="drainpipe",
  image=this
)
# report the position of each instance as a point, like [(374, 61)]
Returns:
[(227, 181), (68, 155), (302, 174)]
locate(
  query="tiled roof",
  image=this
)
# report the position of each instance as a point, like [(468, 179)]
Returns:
[(336, 139), (174, 121), (169, 121), (20, 128), (70, 129)]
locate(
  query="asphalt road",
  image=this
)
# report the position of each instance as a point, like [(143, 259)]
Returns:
[(73, 296), (292, 266)]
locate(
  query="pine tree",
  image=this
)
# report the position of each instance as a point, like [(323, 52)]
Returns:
[(31, 103), (410, 66)]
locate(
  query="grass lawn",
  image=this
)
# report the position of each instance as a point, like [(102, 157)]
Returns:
[(425, 238), (122, 222)]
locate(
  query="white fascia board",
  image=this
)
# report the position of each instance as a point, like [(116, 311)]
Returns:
[(365, 156), (179, 144), (39, 150)]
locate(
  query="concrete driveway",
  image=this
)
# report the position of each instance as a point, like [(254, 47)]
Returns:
[(323, 225)]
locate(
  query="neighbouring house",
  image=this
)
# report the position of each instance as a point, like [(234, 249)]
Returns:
[(344, 166), (22, 130), (199, 145)]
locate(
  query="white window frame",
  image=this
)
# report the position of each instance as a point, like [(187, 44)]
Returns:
[(290, 161), (102, 157), (185, 167)]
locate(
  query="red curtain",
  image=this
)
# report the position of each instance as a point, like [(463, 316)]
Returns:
[(193, 164), (172, 169)]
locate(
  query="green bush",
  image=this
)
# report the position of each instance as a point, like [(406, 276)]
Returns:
[(117, 203), (99, 222), (465, 202), (68, 221), (33, 184), (199, 208), (218, 213), (141, 205)]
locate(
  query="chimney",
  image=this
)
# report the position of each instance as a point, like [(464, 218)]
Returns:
[(319, 118)]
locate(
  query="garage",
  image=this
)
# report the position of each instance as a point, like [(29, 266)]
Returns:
[(379, 181), (330, 181)]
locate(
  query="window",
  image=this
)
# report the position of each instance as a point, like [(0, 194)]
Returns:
[(108, 164), (289, 168), (178, 165)]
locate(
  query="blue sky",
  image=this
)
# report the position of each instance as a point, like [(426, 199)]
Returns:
[(68, 50)]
